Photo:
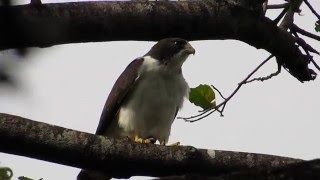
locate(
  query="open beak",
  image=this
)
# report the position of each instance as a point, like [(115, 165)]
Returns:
[(189, 49)]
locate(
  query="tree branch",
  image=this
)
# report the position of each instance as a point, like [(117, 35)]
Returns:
[(266, 77), (122, 158), (277, 6), (304, 32), (223, 104), (311, 8), (51, 24), (302, 170)]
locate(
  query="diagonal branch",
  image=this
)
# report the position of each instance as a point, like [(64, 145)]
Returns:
[(312, 9), (122, 158), (51, 24), (304, 32), (278, 6), (223, 104), (266, 77)]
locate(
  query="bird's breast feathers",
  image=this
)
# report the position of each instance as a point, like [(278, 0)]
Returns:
[(151, 107)]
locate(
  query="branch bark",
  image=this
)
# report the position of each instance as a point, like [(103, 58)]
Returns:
[(51, 24), (301, 170), (122, 158)]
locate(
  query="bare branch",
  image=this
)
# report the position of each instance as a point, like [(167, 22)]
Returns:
[(49, 24), (287, 20), (218, 91), (122, 158), (278, 6), (303, 170), (308, 55), (296, 28), (311, 8), (280, 16), (224, 103), (266, 77), (305, 45), (315, 64)]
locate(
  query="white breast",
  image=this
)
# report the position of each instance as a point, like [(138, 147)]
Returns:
[(153, 103)]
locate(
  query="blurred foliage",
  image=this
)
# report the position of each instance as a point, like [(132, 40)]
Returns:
[(7, 69), (5, 173), (203, 96), (317, 28)]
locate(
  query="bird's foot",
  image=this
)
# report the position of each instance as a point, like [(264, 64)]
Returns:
[(163, 143), (145, 141)]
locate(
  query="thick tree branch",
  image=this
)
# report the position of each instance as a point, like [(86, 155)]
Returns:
[(50, 24), (277, 6), (298, 171), (122, 158)]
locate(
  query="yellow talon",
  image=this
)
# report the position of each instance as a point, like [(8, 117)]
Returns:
[(146, 141)]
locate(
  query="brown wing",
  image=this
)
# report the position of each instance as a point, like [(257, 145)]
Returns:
[(118, 93)]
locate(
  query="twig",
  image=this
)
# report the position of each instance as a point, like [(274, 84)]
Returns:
[(311, 8), (218, 91), (315, 64), (277, 6), (307, 52), (305, 45), (304, 32), (287, 20), (266, 77), (223, 104), (301, 42), (283, 12)]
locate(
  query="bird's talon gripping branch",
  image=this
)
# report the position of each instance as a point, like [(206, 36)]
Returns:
[(150, 140), (146, 141)]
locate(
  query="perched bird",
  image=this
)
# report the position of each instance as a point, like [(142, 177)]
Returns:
[(145, 99)]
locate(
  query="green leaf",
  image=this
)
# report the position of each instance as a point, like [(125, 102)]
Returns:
[(317, 28), (5, 173), (202, 96)]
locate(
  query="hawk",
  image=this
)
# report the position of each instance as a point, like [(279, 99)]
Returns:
[(146, 97)]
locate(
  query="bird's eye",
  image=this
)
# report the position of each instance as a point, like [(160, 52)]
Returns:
[(177, 43)]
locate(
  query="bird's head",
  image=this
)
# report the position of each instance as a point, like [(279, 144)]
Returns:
[(171, 51)]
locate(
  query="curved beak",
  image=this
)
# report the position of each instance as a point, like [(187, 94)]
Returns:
[(189, 49)]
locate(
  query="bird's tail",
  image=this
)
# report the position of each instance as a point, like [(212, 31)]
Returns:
[(91, 175)]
